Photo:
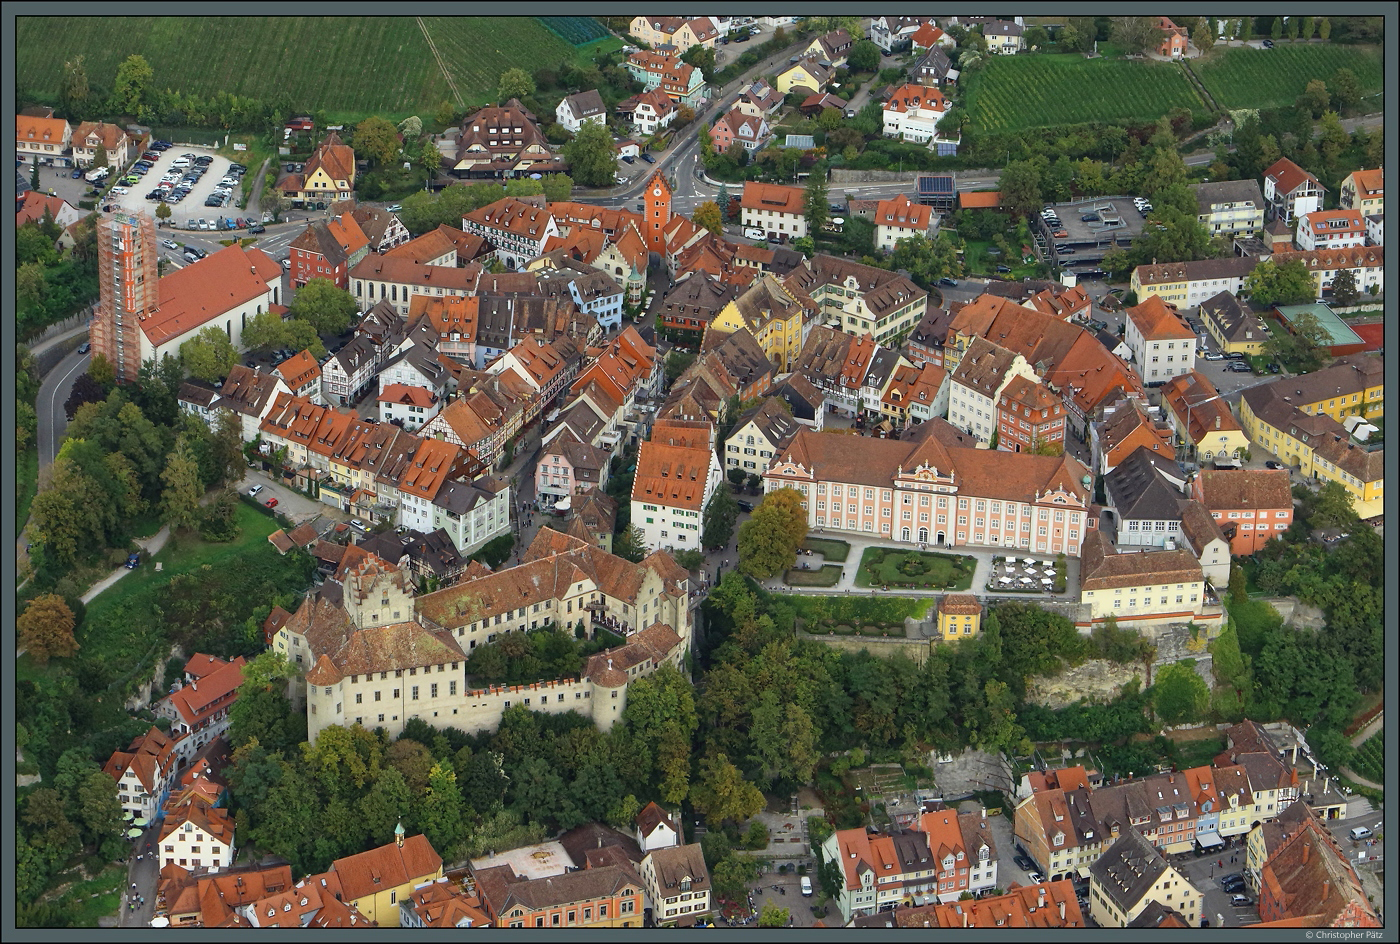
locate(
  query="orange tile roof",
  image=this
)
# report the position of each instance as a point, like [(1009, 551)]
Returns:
[(214, 822), (197, 294), (674, 476), (773, 197), (903, 212), (30, 128), (431, 245), (912, 97), (336, 158), (407, 395), (430, 468), (347, 233), (1369, 182), (110, 135), (521, 219), (299, 369), (215, 692), (1156, 322), (979, 199), (386, 867)]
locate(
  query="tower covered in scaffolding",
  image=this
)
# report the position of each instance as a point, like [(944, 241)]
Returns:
[(128, 286)]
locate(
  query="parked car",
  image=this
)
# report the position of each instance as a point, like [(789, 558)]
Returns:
[(1065, 250), (1060, 234), (745, 505), (170, 244), (396, 208), (132, 560), (1272, 464), (1025, 863), (1240, 901), (270, 503), (1239, 367), (806, 886), (1214, 356), (1274, 369), (1268, 44), (357, 523), (753, 233), (648, 158), (1003, 268), (1089, 218), (257, 228), (1036, 878), (628, 159), (947, 281), (253, 492)]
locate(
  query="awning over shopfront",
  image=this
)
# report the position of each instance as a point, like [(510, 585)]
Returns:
[(1209, 839)]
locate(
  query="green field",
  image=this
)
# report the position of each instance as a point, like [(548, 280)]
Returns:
[(1269, 78), (1017, 92), (828, 576), (347, 67)]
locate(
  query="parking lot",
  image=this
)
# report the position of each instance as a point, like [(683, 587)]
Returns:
[(192, 207), (1204, 874)]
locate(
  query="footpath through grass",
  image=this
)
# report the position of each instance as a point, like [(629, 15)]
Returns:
[(1244, 77)]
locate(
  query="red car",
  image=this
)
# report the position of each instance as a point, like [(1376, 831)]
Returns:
[(270, 503)]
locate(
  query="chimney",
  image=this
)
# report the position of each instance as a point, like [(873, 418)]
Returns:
[(1041, 904), (965, 917), (1062, 909)]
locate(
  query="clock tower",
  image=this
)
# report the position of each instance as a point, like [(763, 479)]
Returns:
[(658, 213)]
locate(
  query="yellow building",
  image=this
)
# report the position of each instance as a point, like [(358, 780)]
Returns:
[(808, 74), (1235, 326), (1201, 417), (1140, 588), (1311, 440), (773, 314), (959, 617), (376, 881)]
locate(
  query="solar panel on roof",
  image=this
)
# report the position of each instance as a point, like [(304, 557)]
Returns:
[(935, 183)]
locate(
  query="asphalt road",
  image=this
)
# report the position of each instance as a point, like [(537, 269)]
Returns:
[(53, 393)]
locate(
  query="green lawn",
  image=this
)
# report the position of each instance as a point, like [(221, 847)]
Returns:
[(345, 67), (834, 551), (1269, 78), (827, 576), (26, 485), (123, 625), (917, 570), (1013, 93)]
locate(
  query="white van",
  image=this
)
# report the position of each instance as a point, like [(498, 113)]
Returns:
[(1360, 832), (806, 887)]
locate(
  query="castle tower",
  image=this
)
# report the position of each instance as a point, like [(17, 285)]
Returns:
[(658, 213), (127, 289)]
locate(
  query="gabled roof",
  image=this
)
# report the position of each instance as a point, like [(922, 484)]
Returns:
[(35, 128), (1156, 322), (910, 98), (1138, 490), (334, 157), (585, 104), (1127, 869), (774, 198), (386, 867), (901, 212), (1288, 176), (196, 701), (1230, 489), (299, 369), (197, 294), (675, 476)]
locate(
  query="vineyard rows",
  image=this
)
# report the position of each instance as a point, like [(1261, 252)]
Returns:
[(1018, 92), (1370, 758), (1270, 78)]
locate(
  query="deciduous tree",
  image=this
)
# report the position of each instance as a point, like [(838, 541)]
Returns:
[(377, 140), (1287, 284), (45, 628), (1315, 97), (1136, 34), (132, 88), (707, 215), (209, 355), (768, 541), (514, 83), (325, 307), (180, 500), (592, 160), (722, 793), (73, 90)]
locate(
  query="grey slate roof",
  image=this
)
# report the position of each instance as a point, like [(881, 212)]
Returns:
[(1138, 491), (1127, 869)]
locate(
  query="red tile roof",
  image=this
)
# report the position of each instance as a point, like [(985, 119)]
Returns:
[(1288, 176), (197, 294)]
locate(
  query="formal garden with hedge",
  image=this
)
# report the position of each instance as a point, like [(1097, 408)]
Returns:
[(895, 568)]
